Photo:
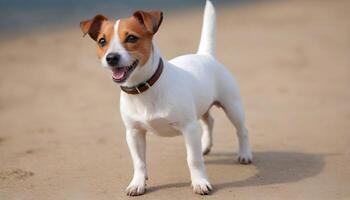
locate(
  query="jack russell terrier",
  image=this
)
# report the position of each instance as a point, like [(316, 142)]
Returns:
[(167, 98)]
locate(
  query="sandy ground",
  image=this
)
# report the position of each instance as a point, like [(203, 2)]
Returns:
[(61, 136)]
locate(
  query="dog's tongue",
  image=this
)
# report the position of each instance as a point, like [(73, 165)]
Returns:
[(118, 73)]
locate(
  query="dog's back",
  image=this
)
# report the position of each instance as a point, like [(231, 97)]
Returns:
[(210, 77)]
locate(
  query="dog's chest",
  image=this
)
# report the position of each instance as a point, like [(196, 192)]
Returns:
[(162, 125), (156, 117)]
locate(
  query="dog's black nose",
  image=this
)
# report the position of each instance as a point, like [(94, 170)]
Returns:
[(113, 59)]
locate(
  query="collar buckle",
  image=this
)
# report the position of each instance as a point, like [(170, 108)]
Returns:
[(146, 83), (138, 90)]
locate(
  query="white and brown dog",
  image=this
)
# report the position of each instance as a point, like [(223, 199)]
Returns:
[(167, 98)]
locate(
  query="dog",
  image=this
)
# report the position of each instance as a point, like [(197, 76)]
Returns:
[(167, 98)]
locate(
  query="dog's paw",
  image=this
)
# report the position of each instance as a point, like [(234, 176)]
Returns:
[(136, 187), (245, 157), (201, 186)]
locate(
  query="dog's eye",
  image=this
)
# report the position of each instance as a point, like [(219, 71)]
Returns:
[(131, 39), (102, 42)]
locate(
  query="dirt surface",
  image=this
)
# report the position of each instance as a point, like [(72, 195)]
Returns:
[(61, 136)]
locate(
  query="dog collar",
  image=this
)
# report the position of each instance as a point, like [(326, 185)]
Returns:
[(144, 86)]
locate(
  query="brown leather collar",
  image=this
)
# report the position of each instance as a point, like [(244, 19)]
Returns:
[(142, 87)]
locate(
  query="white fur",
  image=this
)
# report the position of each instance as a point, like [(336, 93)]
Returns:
[(207, 42), (116, 46), (182, 96)]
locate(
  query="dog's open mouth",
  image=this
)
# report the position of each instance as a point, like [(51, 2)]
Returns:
[(120, 74)]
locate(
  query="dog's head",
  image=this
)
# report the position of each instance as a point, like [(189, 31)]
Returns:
[(125, 44)]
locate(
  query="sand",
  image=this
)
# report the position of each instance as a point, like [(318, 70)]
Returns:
[(61, 135)]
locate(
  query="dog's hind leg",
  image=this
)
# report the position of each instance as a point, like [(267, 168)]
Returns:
[(207, 123), (234, 110)]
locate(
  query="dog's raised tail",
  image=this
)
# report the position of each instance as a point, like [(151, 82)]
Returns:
[(207, 42)]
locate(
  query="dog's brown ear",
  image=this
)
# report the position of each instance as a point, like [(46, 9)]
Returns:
[(92, 26), (151, 20)]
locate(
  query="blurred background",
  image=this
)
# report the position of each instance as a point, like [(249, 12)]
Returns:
[(21, 15), (61, 135)]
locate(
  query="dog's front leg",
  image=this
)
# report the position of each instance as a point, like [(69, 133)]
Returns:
[(195, 159), (136, 140)]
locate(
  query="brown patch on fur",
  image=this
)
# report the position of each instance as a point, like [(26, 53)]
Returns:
[(98, 27), (92, 26), (150, 20), (107, 31), (140, 50), (142, 25)]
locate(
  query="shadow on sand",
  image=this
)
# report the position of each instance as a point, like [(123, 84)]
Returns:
[(272, 168)]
